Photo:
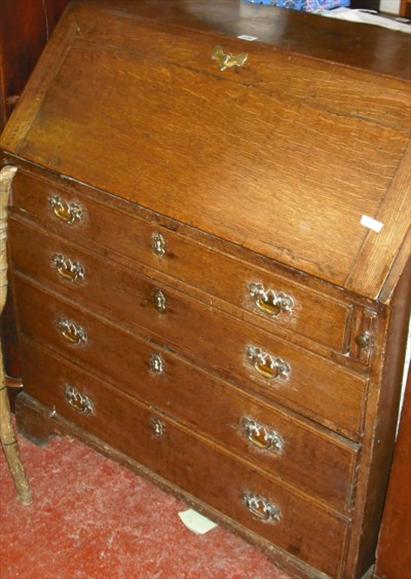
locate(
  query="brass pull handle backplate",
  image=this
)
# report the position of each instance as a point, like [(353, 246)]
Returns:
[(80, 402), (271, 302), (67, 269), (226, 61), (263, 437), (72, 332), (267, 365), (261, 508), (66, 211)]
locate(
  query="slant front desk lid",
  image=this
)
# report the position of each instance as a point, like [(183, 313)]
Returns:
[(298, 155)]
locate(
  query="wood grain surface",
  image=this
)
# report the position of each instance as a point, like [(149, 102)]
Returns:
[(209, 337), (265, 170), (297, 194), (217, 273), (314, 460), (190, 461)]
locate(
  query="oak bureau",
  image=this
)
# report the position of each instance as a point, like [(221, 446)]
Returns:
[(209, 252)]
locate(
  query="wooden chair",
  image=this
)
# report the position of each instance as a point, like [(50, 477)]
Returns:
[(7, 432)]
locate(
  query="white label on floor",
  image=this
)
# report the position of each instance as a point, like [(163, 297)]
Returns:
[(196, 523)]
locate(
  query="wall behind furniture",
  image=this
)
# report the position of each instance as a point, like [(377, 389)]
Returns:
[(390, 6)]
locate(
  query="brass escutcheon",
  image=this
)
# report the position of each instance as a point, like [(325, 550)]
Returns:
[(160, 301), (158, 427), (159, 244), (157, 364)]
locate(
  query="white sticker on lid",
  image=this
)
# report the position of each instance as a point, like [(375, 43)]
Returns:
[(371, 223), (247, 37)]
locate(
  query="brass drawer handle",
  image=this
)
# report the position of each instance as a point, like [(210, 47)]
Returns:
[(261, 508), (158, 427), (160, 301), (72, 332), (66, 211), (157, 364), (228, 60), (80, 402), (159, 244), (270, 302), (262, 436), (268, 365), (67, 269)]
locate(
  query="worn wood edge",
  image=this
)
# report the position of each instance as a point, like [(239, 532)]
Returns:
[(398, 267), (55, 425), (370, 272)]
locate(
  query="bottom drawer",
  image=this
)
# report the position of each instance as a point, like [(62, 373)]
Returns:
[(275, 511)]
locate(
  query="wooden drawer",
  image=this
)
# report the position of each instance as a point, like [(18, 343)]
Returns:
[(205, 470), (320, 463), (240, 283), (320, 389)]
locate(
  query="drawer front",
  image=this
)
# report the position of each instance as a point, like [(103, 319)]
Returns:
[(275, 299), (321, 464), (195, 465), (238, 351)]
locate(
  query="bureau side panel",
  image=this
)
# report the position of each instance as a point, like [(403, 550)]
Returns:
[(381, 421)]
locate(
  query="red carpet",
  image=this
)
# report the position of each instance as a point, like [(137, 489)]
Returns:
[(92, 518)]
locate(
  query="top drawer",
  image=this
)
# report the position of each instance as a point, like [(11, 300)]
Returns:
[(276, 299)]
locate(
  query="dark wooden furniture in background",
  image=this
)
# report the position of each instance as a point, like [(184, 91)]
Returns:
[(394, 548), (405, 8), (149, 277), (25, 27)]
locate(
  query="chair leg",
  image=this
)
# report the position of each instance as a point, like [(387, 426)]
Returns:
[(11, 449), (7, 433)]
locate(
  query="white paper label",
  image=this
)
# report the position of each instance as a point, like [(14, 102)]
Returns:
[(247, 37), (195, 522), (371, 223)]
